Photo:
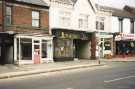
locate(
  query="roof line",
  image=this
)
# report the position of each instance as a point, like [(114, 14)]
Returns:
[(91, 6), (20, 2)]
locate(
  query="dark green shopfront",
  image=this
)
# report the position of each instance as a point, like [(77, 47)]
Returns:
[(70, 45)]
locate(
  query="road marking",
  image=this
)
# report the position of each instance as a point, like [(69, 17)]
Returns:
[(118, 79)]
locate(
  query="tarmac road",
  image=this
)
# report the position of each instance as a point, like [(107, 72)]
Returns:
[(115, 75)]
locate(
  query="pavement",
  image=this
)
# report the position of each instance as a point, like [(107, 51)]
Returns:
[(10, 71)]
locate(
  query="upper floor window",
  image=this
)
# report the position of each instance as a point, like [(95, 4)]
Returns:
[(65, 18), (120, 24), (65, 21), (132, 26), (8, 15), (35, 18), (80, 23), (83, 21), (100, 23)]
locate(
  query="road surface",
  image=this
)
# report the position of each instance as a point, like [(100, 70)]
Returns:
[(114, 75)]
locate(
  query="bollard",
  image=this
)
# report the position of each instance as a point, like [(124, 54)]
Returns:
[(98, 61)]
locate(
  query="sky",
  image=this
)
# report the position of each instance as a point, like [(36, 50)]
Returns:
[(117, 3)]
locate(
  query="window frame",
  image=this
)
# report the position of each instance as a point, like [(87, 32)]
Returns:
[(80, 23), (65, 18), (33, 19), (8, 15), (83, 22), (100, 23), (65, 21)]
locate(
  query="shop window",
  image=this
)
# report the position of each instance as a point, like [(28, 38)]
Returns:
[(132, 44), (64, 48), (107, 45), (26, 49), (36, 41), (44, 49)]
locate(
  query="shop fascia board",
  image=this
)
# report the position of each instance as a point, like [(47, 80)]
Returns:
[(105, 36), (34, 37), (102, 34)]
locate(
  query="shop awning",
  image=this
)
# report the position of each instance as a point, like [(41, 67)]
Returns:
[(125, 36)]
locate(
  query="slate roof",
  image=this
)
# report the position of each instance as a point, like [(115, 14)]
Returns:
[(35, 2), (118, 12), (122, 13), (130, 9)]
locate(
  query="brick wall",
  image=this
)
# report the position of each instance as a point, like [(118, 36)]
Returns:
[(21, 16), (22, 20), (44, 19)]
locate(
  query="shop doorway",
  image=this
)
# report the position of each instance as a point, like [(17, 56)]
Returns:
[(105, 47), (6, 54), (82, 49), (36, 51), (6, 48)]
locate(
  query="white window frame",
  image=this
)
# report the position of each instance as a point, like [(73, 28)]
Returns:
[(83, 22), (8, 15), (100, 21), (35, 18), (65, 18)]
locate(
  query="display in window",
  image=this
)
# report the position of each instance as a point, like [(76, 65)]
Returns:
[(107, 45)]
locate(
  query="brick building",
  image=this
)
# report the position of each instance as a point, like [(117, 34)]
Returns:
[(24, 26)]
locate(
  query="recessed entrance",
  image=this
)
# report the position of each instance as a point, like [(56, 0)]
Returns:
[(6, 48)]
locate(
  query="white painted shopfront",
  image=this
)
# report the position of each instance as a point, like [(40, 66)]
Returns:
[(33, 49), (104, 44)]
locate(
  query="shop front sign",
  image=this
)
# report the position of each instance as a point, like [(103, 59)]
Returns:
[(104, 35), (124, 36), (69, 35)]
